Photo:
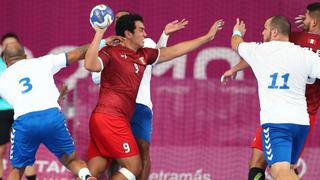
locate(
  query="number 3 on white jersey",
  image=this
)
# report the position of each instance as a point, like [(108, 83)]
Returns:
[(126, 147), (26, 84)]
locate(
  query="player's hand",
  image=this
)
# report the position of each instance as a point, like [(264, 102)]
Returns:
[(240, 26), (230, 74), (215, 28), (99, 30), (299, 21), (175, 26), (114, 40)]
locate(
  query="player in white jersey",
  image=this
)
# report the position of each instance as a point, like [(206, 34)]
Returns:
[(282, 70), (28, 85), (6, 113), (141, 122)]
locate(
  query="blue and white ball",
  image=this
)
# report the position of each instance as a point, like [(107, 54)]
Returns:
[(101, 16)]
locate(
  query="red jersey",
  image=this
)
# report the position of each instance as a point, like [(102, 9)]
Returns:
[(312, 42), (121, 77)]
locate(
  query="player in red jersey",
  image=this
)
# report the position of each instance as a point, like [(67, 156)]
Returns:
[(309, 38), (122, 68)]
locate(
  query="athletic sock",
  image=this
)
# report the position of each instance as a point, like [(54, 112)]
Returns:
[(83, 173), (33, 177), (256, 174)]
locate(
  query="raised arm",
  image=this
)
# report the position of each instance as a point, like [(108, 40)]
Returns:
[(91, 62), (179, 49), (170, 28), (239, 31)]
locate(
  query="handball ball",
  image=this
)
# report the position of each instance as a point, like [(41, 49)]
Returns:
[(101, 16)]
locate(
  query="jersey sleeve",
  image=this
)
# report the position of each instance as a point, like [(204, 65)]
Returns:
[(314, 64), (104, 56), (57, 62), (152, 55), (246, 51), (96, 77)]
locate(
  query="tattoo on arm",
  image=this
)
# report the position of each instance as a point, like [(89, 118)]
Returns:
[(77, 54)]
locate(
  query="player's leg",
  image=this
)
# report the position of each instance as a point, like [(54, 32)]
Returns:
[(114, 139), (25, 141), (2, 154), (278, 146), (30, 173), (16, 173), (141, 125), (282, 171), (257, 163), (312, 119), (96, 164), (130, 168), (145, 158), (300, 139), (6, 120), (56, 137)]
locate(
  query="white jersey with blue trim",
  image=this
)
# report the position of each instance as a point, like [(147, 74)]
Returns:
[(28, 84), (282, 71)]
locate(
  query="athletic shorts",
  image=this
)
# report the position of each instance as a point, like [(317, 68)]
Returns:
[(257, 142), (111, 137), (32, 129), (283, 142), (6, 120), (141, 122)]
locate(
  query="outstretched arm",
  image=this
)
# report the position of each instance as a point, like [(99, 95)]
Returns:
[(77, 54), (169, 29), (179, 49)]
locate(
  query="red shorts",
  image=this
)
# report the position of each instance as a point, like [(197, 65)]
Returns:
[(257, 141), (111, 137)]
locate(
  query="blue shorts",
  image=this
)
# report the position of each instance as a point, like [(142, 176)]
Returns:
[(141, 122), (283, 142), (32, 129)]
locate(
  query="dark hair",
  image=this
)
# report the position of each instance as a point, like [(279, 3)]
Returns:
[(123, 10), (127, 22), (282, 24), (9, 35), (314, 10)]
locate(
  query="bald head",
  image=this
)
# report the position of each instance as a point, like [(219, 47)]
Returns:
[(14, 52)]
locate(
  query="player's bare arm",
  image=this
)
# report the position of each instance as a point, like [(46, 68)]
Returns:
[(175, 26), (91, 62), (77, 54), (170, 28), (239, 30), (179, 49), (232, 72)]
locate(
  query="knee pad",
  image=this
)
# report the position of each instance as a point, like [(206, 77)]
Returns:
[(129, 175)]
